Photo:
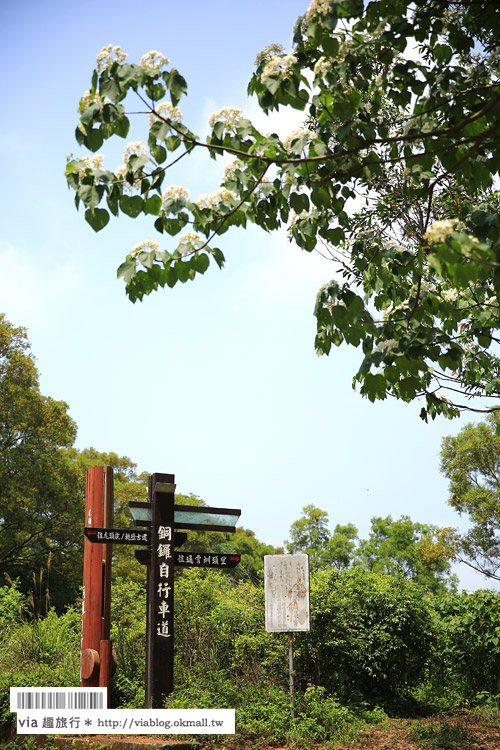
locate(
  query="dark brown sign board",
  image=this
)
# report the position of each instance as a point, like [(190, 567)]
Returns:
[(117, 536)]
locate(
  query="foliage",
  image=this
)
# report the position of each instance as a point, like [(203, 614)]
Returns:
[(418, 551), (40, 522), (467, 657), (401, 110), (370, 636), (407, 547), (41, 652), (471, 462), (128, 633), (310, 535)]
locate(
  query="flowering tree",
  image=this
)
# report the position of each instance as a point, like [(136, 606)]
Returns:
[(400, 111)]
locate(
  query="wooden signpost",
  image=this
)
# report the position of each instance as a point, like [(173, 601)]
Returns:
[(157, 522)]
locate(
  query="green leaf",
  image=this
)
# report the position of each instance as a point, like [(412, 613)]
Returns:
[(176, 85), (201, 262), (122, 126), (97, 218), (218, 256), (89, 195), (131, 205), (94, 140), (152, 205), (126, 270), (183, 268)]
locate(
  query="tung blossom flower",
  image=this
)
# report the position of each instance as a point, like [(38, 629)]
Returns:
[(387, 346), (300, 133), (89, 98), (167, 111), (230, 116), (278, 65), (154, 60), (231, 169), (121, 175), (450, 295), (317, 8), (189, 241), (322, 66), (173, 192), (439, 230), (109, 55), (145, 245), (212, 201), (90, 162), (135, 148), (270, 51)]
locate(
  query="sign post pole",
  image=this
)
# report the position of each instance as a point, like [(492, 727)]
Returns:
[(291, 674), (160, 628), (286, 588), (97, 653)]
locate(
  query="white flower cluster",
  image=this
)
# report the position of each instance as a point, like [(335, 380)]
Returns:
[(322, 66), (300, 133), (344, 49), (88, 98), (135, 148), (317, 8), (189, 237), (212, 201), (186, 241), (154, 60), (109, 55), (145, 245), (270, 51), (439, 230), (90, 162), (121, 174), (173, 192), (387, 346), (167, 111), (231, 169), (279, 65), (450, 295), (440, 395), (295, 217), (230, 116)]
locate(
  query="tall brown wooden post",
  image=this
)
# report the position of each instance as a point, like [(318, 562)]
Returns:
[(160, 621), (96, 655)]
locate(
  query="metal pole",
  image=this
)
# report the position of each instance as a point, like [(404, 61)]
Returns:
[(292, 674)]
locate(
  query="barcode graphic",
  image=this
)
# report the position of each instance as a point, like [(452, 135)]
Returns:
[(71, 699)]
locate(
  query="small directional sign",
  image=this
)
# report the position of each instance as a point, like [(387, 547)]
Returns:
[(206, 559), (117, 536)]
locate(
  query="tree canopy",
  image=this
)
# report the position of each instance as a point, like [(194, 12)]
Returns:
[(471, 463), (38, 512), (401, 107)]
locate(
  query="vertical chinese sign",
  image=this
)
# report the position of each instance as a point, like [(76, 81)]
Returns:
[(286, 588), (160, 656)]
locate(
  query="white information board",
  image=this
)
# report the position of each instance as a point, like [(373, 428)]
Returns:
[(286, 585)]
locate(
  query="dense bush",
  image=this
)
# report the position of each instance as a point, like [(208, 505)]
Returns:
[(466, 661), (39, 652), (371, 636)]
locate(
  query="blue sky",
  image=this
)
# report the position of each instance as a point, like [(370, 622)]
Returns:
[(216, 381)]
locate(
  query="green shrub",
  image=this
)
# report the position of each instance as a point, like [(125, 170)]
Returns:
[(40, 653), (370, 637), (128, 633), (466, 660)]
